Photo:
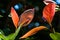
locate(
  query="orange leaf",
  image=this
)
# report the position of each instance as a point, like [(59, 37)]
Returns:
[(26, 17), (32, 32), (49, 12), (14, 16)]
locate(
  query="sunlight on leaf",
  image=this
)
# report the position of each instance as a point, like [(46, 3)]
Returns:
[(0, 39)]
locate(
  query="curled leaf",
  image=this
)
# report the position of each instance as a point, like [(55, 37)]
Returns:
[(33, 31), (14, 16), (26, 17), (49, 12)]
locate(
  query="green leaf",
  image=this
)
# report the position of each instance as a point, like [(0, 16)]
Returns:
[(9, 36), (2, 36), (1, 32), (13, 35), (16, 33), (0, 39), (55, 36), (1, 16)]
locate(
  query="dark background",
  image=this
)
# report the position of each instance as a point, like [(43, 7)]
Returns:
[(7, 25)]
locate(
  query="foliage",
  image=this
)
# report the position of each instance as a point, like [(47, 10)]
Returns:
[(22, 20), (55, 36)]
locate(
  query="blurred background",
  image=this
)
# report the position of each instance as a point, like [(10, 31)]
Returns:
[(20, 6)]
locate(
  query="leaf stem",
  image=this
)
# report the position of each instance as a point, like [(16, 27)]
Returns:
[(52, 28), (16, 32)]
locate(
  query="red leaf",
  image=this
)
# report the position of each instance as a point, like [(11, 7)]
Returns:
[(14, 16), (26, 17), (49, 12)]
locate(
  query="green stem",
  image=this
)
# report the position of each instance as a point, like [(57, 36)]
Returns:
[(3, 37), (16, 32), (52, 28)]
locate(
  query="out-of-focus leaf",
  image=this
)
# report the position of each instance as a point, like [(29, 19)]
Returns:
[(0, 39), (33, 31), (9, 36), (15, 17), (55, 36), (2, 36), (1, 32), (49, 12), (1, 16)]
